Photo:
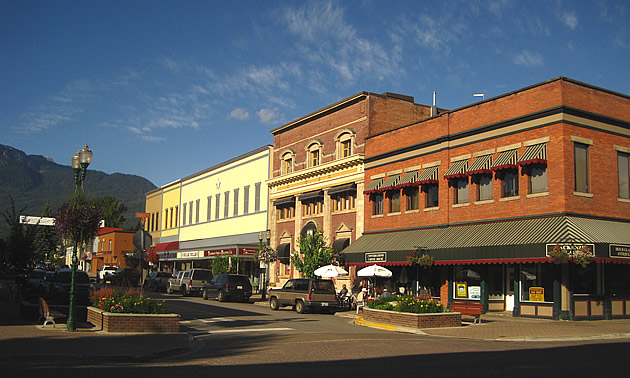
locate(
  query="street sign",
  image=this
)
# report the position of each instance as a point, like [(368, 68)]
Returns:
[(142, 240), (40, 221)]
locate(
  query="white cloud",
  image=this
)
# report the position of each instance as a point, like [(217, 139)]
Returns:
[(152, 139), (239, 113), (528, 59), (569, 20), (268, 116)]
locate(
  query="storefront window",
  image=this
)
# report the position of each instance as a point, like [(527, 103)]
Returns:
[(495, 281), (467, 282), (616, 279), (537, 282), (585, 280)]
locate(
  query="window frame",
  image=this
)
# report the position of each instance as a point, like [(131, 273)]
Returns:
[(412, 198), (458, 197), (429, 190), (621, 156), (581, 168), (377, 200), (393, 199), (503, 177)]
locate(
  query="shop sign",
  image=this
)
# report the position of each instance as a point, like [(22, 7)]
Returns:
[(220, 252), (247, 251), (620, 251), (188, 254), (474, 292), (570, 248), (374, 257), (537, 294), (461, 290)]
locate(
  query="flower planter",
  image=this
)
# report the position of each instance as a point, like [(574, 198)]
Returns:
[(114, 322), (406, 319)]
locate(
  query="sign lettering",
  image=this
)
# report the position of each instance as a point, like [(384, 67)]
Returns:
[(620, 251), (376, 257), (537, 294)]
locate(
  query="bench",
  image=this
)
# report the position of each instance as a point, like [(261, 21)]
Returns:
[(48, 315), (468, 308)]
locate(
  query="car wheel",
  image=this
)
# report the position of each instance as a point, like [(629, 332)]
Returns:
[(204, 293), (299, 307), (169, 289), (273, 303), (184, 291), (221, 296)]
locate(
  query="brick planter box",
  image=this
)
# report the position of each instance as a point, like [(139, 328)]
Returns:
[(405, 319), (113, 322)]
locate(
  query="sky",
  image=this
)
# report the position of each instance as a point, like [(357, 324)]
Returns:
[(165, 89)]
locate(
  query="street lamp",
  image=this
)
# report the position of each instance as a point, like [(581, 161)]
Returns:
[(265, 273), (80, 162)]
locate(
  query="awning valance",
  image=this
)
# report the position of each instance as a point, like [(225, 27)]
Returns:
[(481, 165), (374, 186), (340, 244), (284, 253), (457, 170), (428, 176), (507, 159), (534, 154), (390, 183), (342, 189), (284, 201), (311, 195)]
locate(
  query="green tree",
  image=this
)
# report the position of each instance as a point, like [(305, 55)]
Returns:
[(17, 254), (46, 241), (315, 253), (221, 265), (112, 210)]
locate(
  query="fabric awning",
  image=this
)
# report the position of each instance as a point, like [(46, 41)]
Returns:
[(284, 253), (342, 189), (340, 244), (285, 201), (374, 186), (457, 170), (481, 165), (428, 176), (409, 179), (507, 159), (493, 242), (170, 246), (534, 154), (390, 183), (311, 195)]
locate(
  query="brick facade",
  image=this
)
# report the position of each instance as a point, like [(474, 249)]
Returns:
[(129, 323), (444, 319)]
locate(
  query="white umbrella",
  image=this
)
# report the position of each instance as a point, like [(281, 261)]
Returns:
[(329, 271), (374, 271)]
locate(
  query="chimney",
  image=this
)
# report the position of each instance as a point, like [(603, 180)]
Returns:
[(433, 107)]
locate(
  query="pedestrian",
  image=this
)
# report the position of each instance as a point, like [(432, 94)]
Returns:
[(386, 293)]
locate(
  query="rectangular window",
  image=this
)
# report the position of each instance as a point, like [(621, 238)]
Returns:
[(537, 178), (176, 217), (184, 214), (581, 167), (314, 158), (431, 195), (484, 187), (285, 212), (257, 197), (377, 203), (346, 149), (412, 195), (394, 201), (217, 206), (246, 199), (461, 190), (197, 206), (190, 212), (170, 221), (509, 182), (166, 218), (288, 166), (623, 167), (226, 204), (209, 210), (236, 202)]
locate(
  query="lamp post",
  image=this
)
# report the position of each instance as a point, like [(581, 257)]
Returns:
[(265, 273), (80, 162)]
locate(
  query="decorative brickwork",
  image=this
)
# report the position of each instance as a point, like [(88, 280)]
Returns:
[(111, 322), (405, 319)]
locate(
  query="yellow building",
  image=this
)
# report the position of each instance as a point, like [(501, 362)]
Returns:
[(219, 211)]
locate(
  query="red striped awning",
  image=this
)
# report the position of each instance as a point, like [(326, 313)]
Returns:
[(507, 159), (170, 246), (534, 154), (495, 261)]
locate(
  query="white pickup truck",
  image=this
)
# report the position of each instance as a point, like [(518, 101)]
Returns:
[(105, 270), (189, 281)]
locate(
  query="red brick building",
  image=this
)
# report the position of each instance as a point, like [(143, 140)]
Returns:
[(317, 171), (491, 190), (110, 247)]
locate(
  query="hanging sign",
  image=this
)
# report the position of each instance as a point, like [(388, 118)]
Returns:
[(461, 290), (537, 294)]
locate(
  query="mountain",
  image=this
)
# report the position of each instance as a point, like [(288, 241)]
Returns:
[(33, 180)]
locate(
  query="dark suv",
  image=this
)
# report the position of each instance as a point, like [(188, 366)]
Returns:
[(59, 287), (228, 287)]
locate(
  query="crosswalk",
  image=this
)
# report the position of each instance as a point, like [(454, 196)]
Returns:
[(218, 325)]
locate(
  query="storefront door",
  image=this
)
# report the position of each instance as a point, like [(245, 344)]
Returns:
[(509, 288)]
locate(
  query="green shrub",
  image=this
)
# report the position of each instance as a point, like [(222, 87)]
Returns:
[(407, 303), (129, 302)]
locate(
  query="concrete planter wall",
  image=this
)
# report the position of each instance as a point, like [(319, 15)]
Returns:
[(405, 319), (113, 322)]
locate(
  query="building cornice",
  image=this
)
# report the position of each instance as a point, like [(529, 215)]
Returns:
[(320, 170)]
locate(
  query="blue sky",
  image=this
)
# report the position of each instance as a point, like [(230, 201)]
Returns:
[(164, 89)]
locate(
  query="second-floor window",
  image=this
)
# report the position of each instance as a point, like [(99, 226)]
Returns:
[(509, 182), (246, 199), (431, 195), (314, 158), (412, 196), (236, 202), (484, 187), (226, 204), (394, 201), (377, 203), (461, 190), (537, 177), (623, 168), (581, 168)]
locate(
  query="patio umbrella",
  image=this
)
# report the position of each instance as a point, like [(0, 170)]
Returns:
[(374, 271), (467, 274), (329, 271)]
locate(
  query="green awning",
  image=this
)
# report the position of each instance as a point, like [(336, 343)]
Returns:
[(480, 165), (507, 159), (391, 182), (534, 154), (373, 186), (458, 169)]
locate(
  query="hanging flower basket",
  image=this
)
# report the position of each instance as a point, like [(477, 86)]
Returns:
[(558, 255), (583, 256), (424, 260), (266, 254)]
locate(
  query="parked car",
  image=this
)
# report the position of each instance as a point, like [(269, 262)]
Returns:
[(189, 281), (59, 287), (124, 277), (305, 294), (105, 271), (157, 281), (33, 285), (225, 287)]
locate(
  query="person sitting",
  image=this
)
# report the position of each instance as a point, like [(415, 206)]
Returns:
[(386, 293), (343, 292)]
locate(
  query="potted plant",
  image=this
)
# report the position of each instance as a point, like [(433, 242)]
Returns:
[(559, 255), (583, 256), (425, 260)]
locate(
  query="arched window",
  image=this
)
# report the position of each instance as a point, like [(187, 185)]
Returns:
[(314, 153), (345, 143), (287, 161)]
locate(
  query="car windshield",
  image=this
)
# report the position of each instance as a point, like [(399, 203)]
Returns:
[(202, 275), (323, 287)]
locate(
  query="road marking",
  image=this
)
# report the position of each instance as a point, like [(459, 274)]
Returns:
[(215, 320), (242, 330)]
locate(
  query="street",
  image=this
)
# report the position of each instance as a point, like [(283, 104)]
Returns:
[(248, 339)]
